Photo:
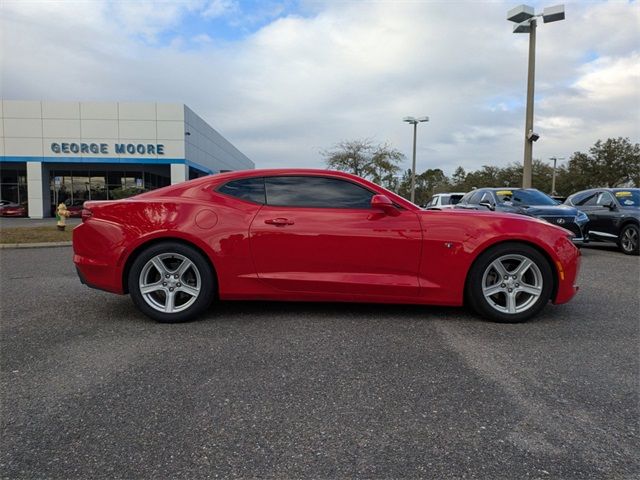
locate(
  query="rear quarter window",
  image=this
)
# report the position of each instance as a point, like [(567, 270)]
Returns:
[(249, 189)]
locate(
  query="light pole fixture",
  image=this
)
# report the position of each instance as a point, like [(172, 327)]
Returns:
[(414, 121), (553, 177), (526, 20)]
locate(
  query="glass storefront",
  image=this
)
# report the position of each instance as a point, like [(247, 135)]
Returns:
[(13, 184), (76, 187)]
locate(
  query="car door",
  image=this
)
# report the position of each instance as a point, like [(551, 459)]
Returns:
[(319, 234), (588, 204), (603, 218)]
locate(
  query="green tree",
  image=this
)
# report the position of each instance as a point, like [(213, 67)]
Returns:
[(458, 179), (432, 180), (612, 163), (378, 163)]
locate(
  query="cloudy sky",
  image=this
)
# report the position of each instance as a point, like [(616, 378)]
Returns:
[(283, 80)]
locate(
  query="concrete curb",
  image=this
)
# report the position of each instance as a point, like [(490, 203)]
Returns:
[(34, 245)]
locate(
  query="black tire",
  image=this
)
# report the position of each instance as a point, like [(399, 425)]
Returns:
[(629, 242), (197, 277), (483, 272)]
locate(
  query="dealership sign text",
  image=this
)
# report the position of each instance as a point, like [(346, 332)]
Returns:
[(103, 148)]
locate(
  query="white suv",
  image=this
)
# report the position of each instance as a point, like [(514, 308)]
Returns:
[(444, 200)]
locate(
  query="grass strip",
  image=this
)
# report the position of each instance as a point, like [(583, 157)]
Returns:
[(35, 234)]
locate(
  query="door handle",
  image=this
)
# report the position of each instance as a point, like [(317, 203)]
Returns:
[(280, 222)]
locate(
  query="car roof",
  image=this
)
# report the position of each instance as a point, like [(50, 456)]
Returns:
[(221, 178)]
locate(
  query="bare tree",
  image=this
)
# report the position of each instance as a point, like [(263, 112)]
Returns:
[(378, 163)]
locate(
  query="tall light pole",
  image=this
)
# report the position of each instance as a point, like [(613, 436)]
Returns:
[(553, 177), (527, 22), (414, 121)]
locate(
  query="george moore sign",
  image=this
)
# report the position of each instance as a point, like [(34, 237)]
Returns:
[(103, 148)]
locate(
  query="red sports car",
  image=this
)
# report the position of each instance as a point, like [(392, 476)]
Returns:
[(316, 235), (11, 209)]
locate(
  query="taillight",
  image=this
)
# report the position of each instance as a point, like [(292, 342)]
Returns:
[(86, 213)]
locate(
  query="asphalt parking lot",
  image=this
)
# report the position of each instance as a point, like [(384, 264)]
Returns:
[(90, 388)]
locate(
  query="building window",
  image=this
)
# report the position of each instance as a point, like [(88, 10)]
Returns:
[(77, 187), (13, 184)]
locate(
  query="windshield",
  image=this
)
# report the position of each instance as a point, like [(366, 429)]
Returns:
[(628, 198), (524, 197)]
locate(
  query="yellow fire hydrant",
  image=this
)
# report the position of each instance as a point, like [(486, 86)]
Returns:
[(61, 216)]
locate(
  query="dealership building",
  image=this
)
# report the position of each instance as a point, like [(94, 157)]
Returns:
[(78, 151)]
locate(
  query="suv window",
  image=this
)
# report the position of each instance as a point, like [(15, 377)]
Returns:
[(605, 198), (250, 189), (587, 201), (475, 197), (487, 198), (317, 192)]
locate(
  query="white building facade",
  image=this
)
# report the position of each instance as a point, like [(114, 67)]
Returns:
[(78, 151)]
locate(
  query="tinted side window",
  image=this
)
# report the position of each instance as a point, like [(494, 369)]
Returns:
[(487, 198), (474, 199), (605, 198), (586, 201), (316, 192), (251, 189)]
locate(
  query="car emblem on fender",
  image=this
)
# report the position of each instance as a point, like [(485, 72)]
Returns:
[(560, 221)]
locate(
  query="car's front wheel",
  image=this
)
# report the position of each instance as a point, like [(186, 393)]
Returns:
[(629, 242), (171, 282), (510, 283)]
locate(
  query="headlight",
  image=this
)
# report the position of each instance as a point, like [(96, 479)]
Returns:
[(582, 217)]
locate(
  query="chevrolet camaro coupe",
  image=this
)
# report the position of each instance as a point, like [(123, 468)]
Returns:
[(316, 235)]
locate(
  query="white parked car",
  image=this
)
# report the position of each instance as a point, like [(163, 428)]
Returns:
[(444, 200)]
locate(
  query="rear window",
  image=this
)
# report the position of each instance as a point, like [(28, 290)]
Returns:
[(250, 189)]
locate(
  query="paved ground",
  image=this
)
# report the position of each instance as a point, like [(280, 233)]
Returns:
[(91, 389)]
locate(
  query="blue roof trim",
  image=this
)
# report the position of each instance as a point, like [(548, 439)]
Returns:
[(155, 161), (197, 166)]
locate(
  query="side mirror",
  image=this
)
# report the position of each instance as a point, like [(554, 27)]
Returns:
[(611, 206), (488, 205), (382, 202)]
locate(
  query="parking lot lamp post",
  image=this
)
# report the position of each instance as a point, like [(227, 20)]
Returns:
[(414, 121), (526, 20), (553, 177)]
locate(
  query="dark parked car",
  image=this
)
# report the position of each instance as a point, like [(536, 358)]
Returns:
[(614, 215), (527, 201)]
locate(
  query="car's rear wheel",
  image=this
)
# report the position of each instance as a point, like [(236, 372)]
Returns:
[(510, 283), (171, 282), (629, 241)]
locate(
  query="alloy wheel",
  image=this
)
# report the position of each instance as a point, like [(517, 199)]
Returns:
[(512, 283), (170, 283), (629, 240)]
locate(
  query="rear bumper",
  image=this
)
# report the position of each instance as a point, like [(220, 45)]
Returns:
[(94, 275), (96, 257)]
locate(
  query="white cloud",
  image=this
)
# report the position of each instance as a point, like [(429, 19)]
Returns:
[(220, 8), (343, 71)]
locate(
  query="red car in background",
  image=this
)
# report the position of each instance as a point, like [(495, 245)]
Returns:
[(75, 209), (11, 209), (316, 235)]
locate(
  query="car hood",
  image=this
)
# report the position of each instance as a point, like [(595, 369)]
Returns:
[(547, 210)]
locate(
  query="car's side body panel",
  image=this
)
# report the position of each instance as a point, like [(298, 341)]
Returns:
[(346, 251)]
